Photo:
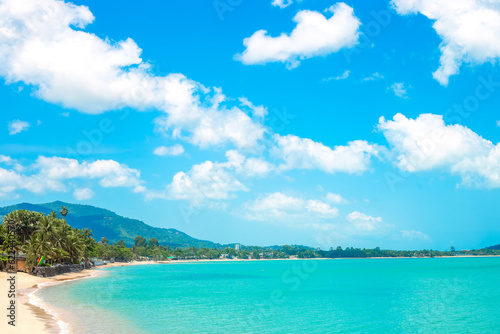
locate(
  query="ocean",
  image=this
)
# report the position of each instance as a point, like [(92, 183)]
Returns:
[(433, 295)]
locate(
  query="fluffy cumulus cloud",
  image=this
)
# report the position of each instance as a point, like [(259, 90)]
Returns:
[(212, 181), (204, 182), (336, 198), (304, 153), (18, 126), (322, 208), (11, 181), (247, 166), (109, 172), (171, 150), (469, 29), (365, 223), (211, 125), (83, 194), (283, 208), (43, 44), (49, 174), (314, 35), (427, 143)]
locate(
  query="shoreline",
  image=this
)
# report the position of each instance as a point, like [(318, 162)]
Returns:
[(34, 316)]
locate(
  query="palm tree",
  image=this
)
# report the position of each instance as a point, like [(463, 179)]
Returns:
[(47, 227), (39, 235), (64, 211), (36, 247), (104, 241), (24, 222), (74, 246)]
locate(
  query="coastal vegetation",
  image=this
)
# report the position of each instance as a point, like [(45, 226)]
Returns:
[(49, 236), (37, 235)]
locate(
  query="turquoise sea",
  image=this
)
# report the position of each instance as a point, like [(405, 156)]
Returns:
[(439, 295)]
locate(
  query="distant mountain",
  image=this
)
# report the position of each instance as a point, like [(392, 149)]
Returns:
[(497, 247), (105, 223)]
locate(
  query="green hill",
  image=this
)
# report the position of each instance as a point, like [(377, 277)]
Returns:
[(105, 223)]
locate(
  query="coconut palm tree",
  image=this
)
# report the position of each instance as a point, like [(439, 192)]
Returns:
[(104, 241), (24, 222), (36, 247), (64, 211)]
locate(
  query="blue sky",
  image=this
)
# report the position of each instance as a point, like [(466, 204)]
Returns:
[(320, 123)]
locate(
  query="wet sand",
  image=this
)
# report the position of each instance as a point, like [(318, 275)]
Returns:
[(30, 317)]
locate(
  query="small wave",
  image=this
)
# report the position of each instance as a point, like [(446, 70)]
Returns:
[(37, 301)]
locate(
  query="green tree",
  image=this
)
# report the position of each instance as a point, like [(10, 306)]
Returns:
[(140, 241), (153, 242), (104, 241), (24, 222), (120, 243), (64, 211)]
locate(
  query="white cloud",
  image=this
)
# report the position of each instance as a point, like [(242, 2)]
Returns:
[(44, 45), (49, 174), (303, 153), (498, 124), (413, 235), (11, 162), (322, 208), (5, 159), (259, 111), (313, 216), (83, 194), (248, 167), (345, 75), (281, 3), (364, 223), (109, 172), (282, 208), (314, 35), (205, 181), (209, 126), (336, 199), (172, 150), (426, 143), (469, 29), (399, 90), (213, 181), (373, 77), (17, 126), (276, 203), (12, 180)]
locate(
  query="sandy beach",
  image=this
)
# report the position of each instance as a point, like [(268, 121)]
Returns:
[(31, 318)]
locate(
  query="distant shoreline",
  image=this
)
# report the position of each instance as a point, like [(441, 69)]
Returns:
[(40, 318)]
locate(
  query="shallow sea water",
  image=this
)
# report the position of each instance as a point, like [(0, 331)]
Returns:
[(440, 295)]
